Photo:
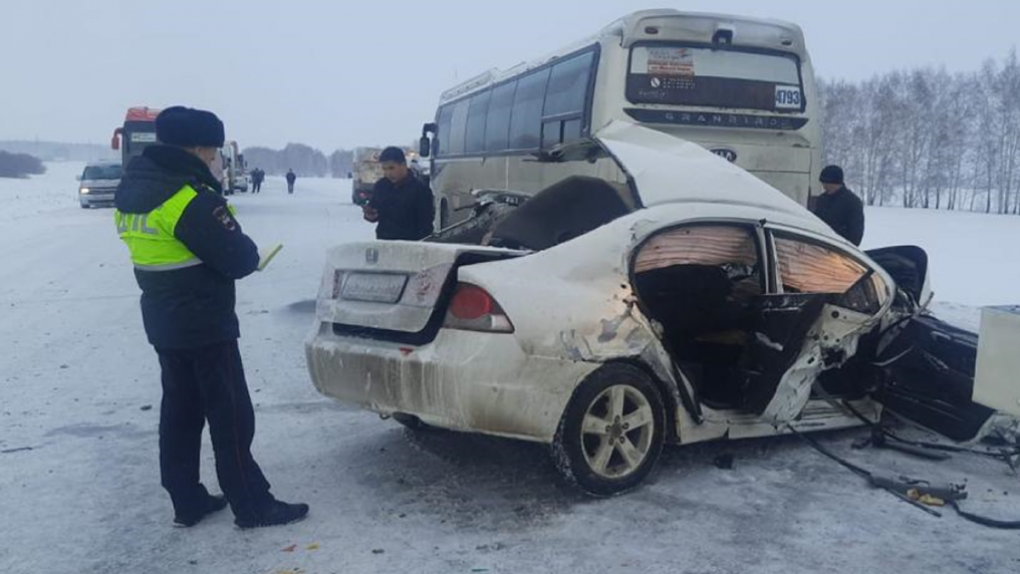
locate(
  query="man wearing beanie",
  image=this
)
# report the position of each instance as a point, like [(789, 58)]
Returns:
[(839, 207), (188, 250)]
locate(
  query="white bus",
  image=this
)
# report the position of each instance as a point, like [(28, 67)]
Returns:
[(741, 87)]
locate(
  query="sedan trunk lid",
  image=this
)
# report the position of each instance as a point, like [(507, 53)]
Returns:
[(392, 285)]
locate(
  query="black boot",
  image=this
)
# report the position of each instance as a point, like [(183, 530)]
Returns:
[(208, 505), (275, 513)]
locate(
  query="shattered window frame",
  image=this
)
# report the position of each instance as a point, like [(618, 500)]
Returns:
[(705, 248), (762, 263), (800, 266)]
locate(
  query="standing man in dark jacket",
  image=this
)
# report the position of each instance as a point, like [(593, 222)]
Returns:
[(257, 177), (401, 204), (291, 178), (188, 250), (839, 207)]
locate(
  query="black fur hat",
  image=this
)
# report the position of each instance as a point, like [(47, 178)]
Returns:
[(187, 127)]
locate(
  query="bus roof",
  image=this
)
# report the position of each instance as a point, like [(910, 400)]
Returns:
[(659, 25), (141, 114), (702, 26)]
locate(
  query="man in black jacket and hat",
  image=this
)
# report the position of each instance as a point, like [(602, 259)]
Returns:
[(188, 250), (839, 207)]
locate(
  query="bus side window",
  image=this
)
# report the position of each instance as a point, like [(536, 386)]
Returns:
[(455, 141), (526, 120), (474, 141), (443, 131), (568, 86), (497, 124), (565, 100)]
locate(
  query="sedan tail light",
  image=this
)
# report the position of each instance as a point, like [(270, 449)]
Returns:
[(473, 309)]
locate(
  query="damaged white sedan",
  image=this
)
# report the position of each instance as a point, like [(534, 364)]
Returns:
[(691, 303)]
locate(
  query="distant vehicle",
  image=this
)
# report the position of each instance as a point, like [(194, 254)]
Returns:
[(420, 167), (366, 171), (743, 88), (693, 303), (137, 133), (231, 169), (98, 182)]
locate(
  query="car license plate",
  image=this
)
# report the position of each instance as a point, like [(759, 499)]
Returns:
[(374, 287)]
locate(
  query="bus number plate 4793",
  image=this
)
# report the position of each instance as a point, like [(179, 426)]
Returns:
[(788, 98)]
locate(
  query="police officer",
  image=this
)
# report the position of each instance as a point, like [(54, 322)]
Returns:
[(188, 250), (839, 207), (401, 204)]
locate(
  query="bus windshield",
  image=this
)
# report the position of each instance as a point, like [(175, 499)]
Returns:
[(137, 141), (676, 75)]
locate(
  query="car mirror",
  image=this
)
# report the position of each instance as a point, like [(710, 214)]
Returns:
[(424, 146)]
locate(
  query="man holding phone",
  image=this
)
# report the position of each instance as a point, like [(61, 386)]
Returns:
[(401, 205)]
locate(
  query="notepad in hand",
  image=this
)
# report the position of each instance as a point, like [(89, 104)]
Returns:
[(266, 256)]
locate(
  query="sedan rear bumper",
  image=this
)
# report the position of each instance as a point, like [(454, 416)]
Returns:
[(466, 381)]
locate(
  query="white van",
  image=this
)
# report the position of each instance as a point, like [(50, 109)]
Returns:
[(98, 182)]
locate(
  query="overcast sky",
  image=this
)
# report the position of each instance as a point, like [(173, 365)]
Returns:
[(340, 74)]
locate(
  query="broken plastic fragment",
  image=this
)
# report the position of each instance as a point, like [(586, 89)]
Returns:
[(927, 499)]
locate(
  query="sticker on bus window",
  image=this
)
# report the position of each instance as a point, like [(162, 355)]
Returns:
[(670, 62), (788, 98)]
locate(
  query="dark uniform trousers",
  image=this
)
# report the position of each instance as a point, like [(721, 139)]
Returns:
[(203, 384)]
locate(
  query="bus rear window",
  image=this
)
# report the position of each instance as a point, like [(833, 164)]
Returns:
[(715, 78)]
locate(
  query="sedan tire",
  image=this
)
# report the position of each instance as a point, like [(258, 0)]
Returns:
[(611, 435)]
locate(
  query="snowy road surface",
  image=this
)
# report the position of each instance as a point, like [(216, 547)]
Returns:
[(79, 482)]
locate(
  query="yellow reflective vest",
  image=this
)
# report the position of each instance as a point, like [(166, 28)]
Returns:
[(150, 236)]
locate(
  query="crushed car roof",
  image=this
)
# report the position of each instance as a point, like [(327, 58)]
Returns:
[(669, 170)]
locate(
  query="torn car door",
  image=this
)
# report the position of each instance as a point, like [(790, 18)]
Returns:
[(927, 366), (930, 379), (798, 337), (826, 300)]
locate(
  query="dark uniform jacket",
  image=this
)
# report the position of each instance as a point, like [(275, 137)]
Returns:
[(191, 307), (843, 211), (405, 209)]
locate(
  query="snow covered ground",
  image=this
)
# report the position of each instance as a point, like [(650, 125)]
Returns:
[(968, 256), (79, 482)]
